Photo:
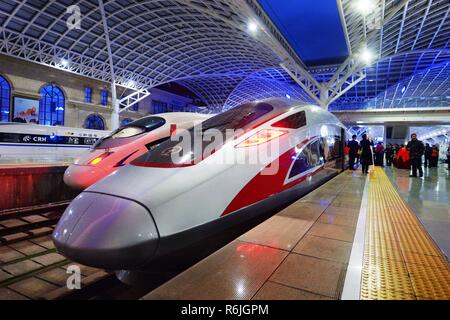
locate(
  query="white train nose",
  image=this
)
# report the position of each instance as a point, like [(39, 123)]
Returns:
[(81, 177), (106, 232)]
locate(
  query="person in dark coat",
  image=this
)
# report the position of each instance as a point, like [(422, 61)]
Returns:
[(389, 154), (366, 154), (353, 146), (416, 150), (379, 154), (448, 157), (434, 156), (427, 156)]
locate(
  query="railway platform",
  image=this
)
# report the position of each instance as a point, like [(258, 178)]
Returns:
[(29, 184), (356, 237)]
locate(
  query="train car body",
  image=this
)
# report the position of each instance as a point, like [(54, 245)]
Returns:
[(37, 143), (161, 204), (126, 144)]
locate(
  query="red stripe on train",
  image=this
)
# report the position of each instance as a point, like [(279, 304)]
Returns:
[(263, 186)]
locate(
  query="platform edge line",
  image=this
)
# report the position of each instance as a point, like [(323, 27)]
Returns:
[(352, 283)]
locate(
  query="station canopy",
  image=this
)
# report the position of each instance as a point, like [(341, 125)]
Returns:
[(352, 54)]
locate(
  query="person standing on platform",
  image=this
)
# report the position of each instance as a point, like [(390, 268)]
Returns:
[(366, 154), (379, 154), (396, 149), (403, 161), (416, 150), (448, 157), (434, 156), (427, 156), (353, 146), (389, 155)]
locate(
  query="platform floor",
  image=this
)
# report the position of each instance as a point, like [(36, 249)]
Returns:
[(429, 198), (310, 251)]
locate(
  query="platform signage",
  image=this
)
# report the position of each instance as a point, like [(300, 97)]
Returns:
[(46, 139)]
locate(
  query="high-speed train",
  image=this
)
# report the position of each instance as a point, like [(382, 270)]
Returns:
[(126, 144), (31, 142), (175, 197)]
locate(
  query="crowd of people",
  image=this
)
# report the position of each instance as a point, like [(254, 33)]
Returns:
[(407, 157)]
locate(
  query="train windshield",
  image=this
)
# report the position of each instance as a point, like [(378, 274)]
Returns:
[(129, 132), (236, 121)]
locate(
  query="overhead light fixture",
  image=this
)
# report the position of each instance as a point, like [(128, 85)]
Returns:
[(131, 84), (365, 7), (252, 27), (288, 96), (403, 89), (366, 56), (65, 63)]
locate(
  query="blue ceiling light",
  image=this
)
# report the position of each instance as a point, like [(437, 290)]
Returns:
[(288, 96)]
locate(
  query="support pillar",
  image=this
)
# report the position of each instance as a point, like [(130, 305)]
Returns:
[(324, 95), (115, 121)]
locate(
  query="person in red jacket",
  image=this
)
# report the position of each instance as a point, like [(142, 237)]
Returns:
[(434, 156), (403, 160)]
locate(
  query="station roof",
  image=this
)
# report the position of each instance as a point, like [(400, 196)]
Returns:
[(226, 52), (313, 28)]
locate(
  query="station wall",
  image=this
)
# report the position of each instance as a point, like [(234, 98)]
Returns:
[(27, 79)]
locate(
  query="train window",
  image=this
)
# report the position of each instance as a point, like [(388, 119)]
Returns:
[(127, 133), (5, 99), (334, 148), (244, 117), (154, 144), (308, 159), (322, 148), (237, 121), (51, 106), (316, 156), (295, 121), (148, 123)]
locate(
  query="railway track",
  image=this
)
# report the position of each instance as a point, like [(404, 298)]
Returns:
[(27, 223), (31, 269)]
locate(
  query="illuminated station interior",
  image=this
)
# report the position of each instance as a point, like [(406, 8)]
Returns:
[(225, 150)]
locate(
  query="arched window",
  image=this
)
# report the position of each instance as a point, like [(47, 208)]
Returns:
[(52, 106), (126, 121), (5, 99), (94, 122)]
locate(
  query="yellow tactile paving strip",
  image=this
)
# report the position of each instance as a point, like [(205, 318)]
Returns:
[(400, 259)]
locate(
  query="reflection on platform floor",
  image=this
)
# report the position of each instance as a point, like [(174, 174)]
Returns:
[(303, 252), (300, 253), (429, 198)]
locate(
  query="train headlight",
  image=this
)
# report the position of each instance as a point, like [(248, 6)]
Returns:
[(262, 136), (99, 159)]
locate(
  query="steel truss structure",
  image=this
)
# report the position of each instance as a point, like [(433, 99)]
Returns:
[(207, 46)]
